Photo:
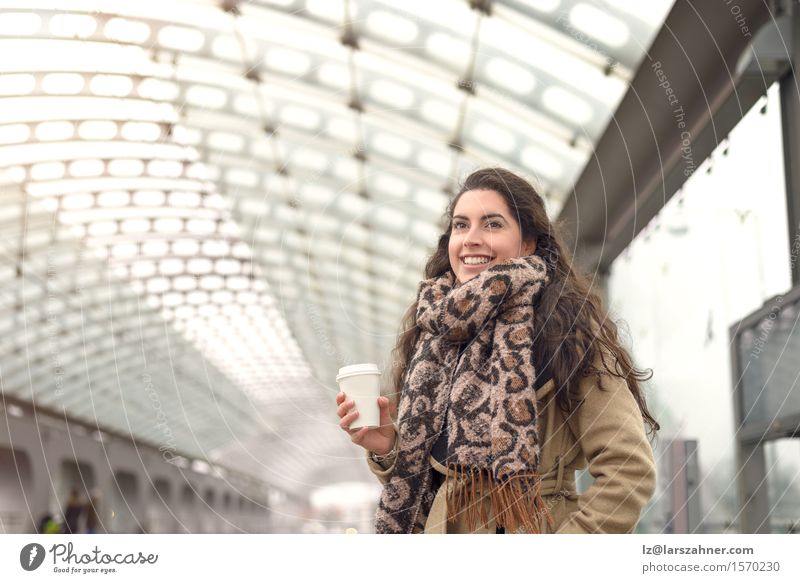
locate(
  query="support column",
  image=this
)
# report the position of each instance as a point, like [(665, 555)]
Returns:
[(753, 493), (790, 119)]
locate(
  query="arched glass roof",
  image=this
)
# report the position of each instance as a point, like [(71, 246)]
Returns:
[(208, 207)]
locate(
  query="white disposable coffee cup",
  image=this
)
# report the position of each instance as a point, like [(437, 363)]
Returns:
[(361, 383)]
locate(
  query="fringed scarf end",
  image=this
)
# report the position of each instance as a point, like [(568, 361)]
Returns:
[(513, 505)]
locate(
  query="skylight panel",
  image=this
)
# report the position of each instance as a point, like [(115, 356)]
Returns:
[(435, 162), (330, 10), (181, 38), (300, 116), (493, 137), (122, 167), (203, 96), (14, 133), (111, 85), (543, 163), (441, 113), (396, 28), (392, 94), (567, 105), (599, 24), (548, 58), (392, 145), (125, 30), (17, 84), (140, 131), (653, 13), (392, 185), (541, 5), (334, 75), (19, 23), (288, 61)]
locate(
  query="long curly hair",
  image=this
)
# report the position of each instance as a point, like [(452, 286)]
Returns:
[(570, 321)]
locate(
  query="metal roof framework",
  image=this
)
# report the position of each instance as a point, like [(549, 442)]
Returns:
[(235, 198)]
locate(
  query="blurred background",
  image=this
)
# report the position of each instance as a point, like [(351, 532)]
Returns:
[(209, 206)]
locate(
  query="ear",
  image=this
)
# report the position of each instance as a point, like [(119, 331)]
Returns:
[(529, 248)]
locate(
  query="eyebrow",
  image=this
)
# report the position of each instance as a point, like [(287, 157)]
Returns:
[(486, 216)]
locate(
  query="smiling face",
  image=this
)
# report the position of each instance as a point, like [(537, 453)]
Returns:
[(484, 232)]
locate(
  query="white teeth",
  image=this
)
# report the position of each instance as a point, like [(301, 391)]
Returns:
[(475, 260)]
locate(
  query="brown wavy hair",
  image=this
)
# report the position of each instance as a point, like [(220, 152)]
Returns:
[(571, 324)]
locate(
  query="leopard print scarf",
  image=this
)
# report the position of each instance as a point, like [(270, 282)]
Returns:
[(488, 396)]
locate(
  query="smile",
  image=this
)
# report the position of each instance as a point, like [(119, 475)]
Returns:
[(476, 260)]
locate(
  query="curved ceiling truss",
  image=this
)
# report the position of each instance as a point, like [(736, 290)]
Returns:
[(208, 207)]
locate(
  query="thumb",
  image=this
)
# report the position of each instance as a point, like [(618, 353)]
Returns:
[(383, 405)]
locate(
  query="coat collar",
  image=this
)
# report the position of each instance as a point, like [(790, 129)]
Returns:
[(545, 389)]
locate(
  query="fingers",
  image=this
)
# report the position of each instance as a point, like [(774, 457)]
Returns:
[(357, 435), (340, 396), (345, 407), (345, 422)]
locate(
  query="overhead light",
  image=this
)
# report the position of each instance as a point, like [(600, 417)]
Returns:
[(387, 25), (111, 85), (453, 50), (542, 163), (392, 145), (334, 75), (329, 10), (567, 105), (62, 83), (159, 89), (300, 116), (392, 185), (453, 14), (391, 93), (309, 158), (544, 54), (203, 96), (181, 38), (288, 61), (342, 129), (437, 163), (493, 137), (541, 5), (441, 113), (48, 171), (139, 131), (17, 84), (432, 200), (20, 24), (15, 411), (653, 12), (510, 75), (599, 24), (352, 204), (124, 30)]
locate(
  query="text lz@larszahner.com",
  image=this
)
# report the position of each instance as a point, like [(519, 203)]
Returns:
[(63, 553)]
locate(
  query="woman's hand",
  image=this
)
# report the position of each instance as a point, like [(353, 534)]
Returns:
[(379, 440)]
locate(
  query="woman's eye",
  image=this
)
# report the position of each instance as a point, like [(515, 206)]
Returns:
[(492, 224)]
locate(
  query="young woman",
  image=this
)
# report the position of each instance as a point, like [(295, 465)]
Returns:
[(511, 377)]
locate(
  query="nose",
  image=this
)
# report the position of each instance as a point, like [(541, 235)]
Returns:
[(473, 237)]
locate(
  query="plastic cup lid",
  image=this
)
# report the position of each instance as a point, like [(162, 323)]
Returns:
[(354, 369)]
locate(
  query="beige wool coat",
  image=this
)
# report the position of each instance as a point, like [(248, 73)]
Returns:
[(606, 432)]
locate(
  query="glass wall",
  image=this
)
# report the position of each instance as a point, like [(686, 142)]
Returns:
[(717, 251)]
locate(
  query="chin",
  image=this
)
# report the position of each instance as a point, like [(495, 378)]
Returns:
[(465, 277)]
